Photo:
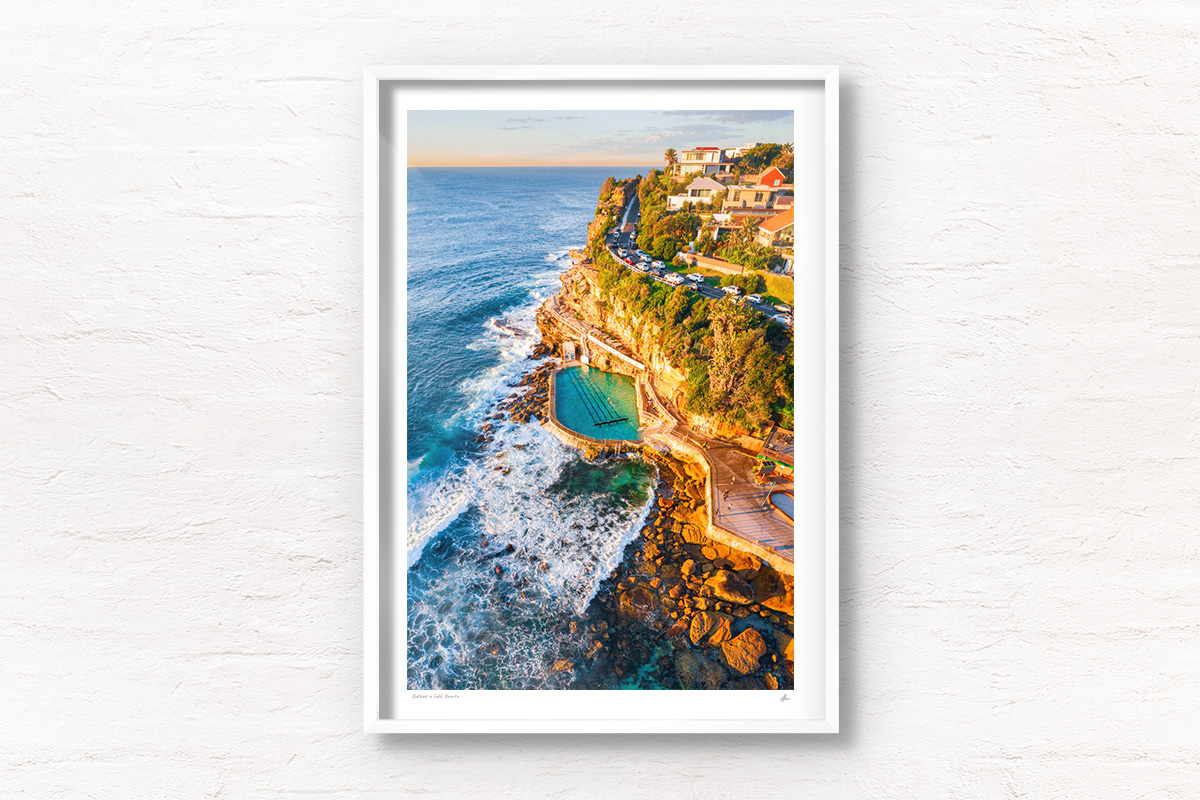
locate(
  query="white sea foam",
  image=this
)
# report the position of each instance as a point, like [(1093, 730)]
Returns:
[(564, 544)]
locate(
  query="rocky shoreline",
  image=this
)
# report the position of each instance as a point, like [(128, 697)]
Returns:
[(681, 611)]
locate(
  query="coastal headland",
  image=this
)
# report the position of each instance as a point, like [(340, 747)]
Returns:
[(704, 596)]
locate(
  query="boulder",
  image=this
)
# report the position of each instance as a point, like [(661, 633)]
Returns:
[(774, 591), (745, 563), (728, 586), (722, 630), (743, 651), (702, 623), (787, 645), (637, 601), (784, 604), (694, 671), (678, 628)]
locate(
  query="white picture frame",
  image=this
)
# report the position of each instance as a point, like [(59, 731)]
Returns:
[(391, 709)]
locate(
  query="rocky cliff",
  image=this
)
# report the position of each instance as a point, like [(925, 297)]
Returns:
[(580, 294)]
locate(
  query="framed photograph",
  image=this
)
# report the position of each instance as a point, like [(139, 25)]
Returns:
[(601, 399)]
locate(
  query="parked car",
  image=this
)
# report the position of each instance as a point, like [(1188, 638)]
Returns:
[(696, 277), (657, 264), (755, 298), (782, 319), (674, 279), (784, 309), (732, 291)]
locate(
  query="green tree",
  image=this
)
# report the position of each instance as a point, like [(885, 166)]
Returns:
[(665, 247), (757, 158), (671, 157), (748, 282)]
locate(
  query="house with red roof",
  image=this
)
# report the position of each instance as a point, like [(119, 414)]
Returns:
[(772, 177), (777, 231)]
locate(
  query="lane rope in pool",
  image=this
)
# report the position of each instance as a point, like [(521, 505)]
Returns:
[(595, 403)]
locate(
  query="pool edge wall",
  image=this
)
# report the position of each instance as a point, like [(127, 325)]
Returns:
[(578, 440)]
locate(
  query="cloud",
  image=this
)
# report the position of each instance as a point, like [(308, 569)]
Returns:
[(514, 127), (524, 119), (576, 117), (735, 117), (693, 135)]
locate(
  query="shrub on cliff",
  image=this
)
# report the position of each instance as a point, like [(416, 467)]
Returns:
[(607, 188)]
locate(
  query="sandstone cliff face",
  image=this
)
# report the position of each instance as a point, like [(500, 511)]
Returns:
[(581, 295)]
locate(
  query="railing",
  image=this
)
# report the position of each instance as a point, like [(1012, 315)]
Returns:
[(589, 335)]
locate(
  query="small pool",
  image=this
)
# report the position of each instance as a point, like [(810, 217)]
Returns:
[(598, 404), (785, 504)]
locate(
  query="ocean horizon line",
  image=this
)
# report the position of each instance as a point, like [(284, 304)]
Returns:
[(530, 166)]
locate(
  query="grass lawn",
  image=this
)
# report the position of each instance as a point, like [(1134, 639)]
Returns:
[(780, 288)]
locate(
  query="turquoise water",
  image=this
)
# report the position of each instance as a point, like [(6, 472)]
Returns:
[(598, 404), (507, 541)]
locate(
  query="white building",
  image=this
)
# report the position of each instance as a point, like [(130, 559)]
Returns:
[(738, 152), (701, 190), (705, 160)]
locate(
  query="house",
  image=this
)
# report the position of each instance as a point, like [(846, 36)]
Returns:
[(777, 231), (701, 190), (766, 193), (772, 177), (705, 160), (738, 152), (750, 196)]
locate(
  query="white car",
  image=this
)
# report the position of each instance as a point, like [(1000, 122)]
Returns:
[(732, 291), (755, 298), (674, 279), (639, 267), (784, 309), (695, 277), (657, 264), (782, 319), (622, 252)]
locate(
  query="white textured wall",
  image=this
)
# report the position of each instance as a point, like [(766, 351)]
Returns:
[(179, 403)]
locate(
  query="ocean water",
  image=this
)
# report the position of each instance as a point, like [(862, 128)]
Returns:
[(507, 541)]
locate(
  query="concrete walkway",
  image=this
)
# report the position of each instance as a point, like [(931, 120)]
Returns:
[(738, 502), (742, 505)]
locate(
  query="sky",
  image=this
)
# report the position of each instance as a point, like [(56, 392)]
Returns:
[(580, 138)]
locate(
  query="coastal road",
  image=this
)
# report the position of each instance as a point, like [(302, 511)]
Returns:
[(633, 216), (624, 240)]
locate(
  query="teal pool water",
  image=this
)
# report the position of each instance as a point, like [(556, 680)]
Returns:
[(598, 404)]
